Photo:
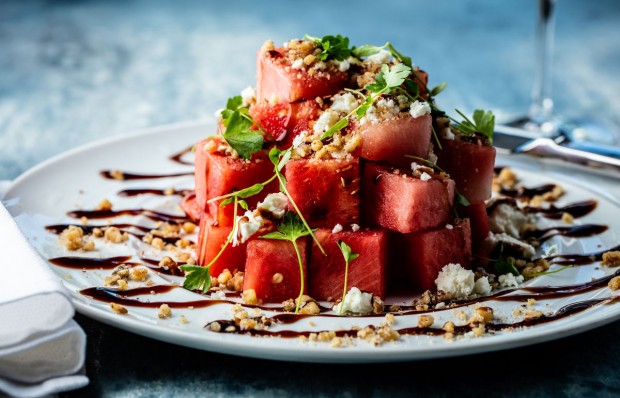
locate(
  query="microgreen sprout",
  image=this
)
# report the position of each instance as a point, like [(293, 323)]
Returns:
[(349, 256), (292, 228)]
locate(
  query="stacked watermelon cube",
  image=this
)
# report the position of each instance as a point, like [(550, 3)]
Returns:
[(358, 186)]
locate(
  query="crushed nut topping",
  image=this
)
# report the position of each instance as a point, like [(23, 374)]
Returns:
[(164, 311), (119, 309), (611, 259)]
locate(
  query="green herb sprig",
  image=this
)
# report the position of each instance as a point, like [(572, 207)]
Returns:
[(349, 256), (332, 47), (483, 123), (279, 159), (290, 229), (196, 277), (239, 133)]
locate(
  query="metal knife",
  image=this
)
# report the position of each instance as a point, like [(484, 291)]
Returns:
[(510, 140)]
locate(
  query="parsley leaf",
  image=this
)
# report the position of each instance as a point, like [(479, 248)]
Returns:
[(332, 47), (232, 105), (348, 257), (484, 123), (196, 277), (292, 228), (240, 137)]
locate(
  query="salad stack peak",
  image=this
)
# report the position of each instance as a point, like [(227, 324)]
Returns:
[(337, 174)]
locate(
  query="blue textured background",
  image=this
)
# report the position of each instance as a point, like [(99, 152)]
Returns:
[(75, 71)]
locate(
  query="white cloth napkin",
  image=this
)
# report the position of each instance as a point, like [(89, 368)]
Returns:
[(42, 349)]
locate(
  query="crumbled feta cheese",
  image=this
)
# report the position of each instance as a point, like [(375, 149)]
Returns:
[(482, 285), (248, 225), (419, 109), (218, 295), (344, 103), (355, 302), (274, 203), (425, 176), (337, 228), (343, 66), (415, 166), (355, 227), (298, 64), (248, 96), (371, 116), (325, 121), (455, 280), (387, 107), (320, 65), (509, 280), (448, 134), (379, 58), (509, 219), (449, 226), (431, 156), (300, 139)]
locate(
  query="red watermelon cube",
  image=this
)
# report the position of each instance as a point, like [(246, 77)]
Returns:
[(276, 78), (479, 221), (283, 120), (421, 255), (273, 118), (398, 201), (470, 165), (211, 239), (326, 191), (218, 174), (272, 269), (367, 272), (391, 140), (190, 206)]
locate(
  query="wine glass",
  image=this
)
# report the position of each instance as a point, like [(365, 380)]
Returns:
[(541, 120)]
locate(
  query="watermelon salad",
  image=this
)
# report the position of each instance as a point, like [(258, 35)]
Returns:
[(338, 178)]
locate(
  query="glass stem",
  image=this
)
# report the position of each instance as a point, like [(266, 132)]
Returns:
[(541, 107)]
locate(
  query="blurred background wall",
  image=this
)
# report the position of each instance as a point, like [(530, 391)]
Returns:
[(75, 71)]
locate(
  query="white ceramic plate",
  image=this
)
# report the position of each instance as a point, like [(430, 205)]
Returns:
[(43, 195)]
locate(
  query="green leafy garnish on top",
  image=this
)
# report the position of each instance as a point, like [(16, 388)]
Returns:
[(348, 257), (483, 123), (196, 277), (332, 47), (239, 133), (241, 137), (292, 228)]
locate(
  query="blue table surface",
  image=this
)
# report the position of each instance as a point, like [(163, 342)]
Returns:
[(75, 71)]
